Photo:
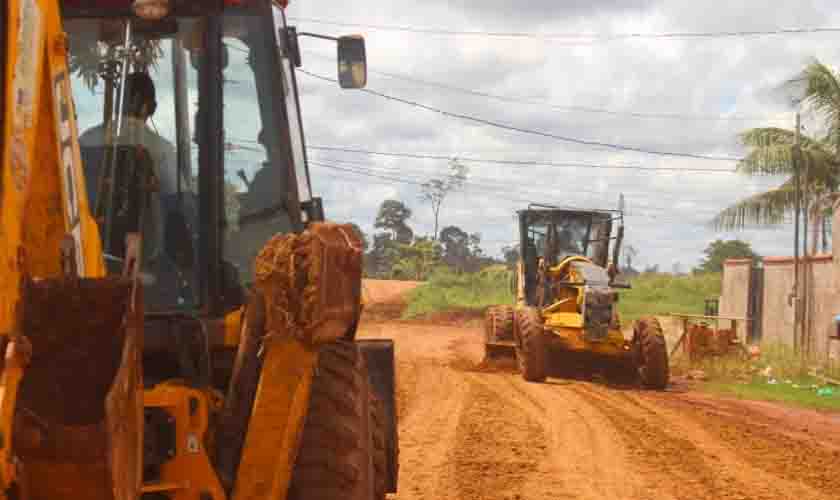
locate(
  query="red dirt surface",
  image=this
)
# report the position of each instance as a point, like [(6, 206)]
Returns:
[(473, 431)]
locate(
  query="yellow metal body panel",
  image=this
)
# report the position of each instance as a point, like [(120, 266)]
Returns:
[(566, 324), (43, 192), (563, 320), (559, 268), (42, 199), (233, 327), (277, 420), (571, 339), (189, 473)]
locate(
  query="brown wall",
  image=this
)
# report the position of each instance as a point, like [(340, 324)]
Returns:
[(777, 314), (734, 290)]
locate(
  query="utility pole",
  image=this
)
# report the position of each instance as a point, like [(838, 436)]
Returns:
[(793, 298)]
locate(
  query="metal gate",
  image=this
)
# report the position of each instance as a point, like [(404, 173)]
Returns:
[(755, 301)]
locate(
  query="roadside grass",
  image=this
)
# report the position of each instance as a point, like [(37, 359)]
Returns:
[(652, 294), (800, 392), (446, 291), (660, 294), (778, 375)]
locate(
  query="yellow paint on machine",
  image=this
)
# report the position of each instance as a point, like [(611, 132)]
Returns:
[(571, 339), (43, 194), (277, 420)]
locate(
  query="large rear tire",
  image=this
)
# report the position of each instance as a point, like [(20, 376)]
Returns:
[(337, 455), (530, 345), (652, 353)]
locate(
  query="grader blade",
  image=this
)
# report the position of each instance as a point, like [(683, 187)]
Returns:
[(500, 349), (79, 418)]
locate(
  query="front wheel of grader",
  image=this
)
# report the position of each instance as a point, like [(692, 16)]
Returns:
[(651, 353), (530, 344)]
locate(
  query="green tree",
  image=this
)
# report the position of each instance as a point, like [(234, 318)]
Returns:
[(456, 246), (435, 191), (719, 251), (771, 153), (378, 261), (417, 260), (393, 216)]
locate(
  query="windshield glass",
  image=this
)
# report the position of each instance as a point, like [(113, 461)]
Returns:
[(558, 235), (136, 148), (258, 156)]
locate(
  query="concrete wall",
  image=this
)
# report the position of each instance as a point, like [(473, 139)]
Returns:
[(734, 292), (777, 320), (817, 288)]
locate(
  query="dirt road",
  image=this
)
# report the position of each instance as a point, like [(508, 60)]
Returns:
[(470, 433)]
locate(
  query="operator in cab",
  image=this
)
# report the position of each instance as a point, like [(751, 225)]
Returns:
[(139, 106), (166, 255)]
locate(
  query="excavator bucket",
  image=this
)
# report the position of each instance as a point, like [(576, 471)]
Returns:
[(79, 424)]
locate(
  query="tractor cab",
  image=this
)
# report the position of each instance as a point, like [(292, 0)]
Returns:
[(190, 135)]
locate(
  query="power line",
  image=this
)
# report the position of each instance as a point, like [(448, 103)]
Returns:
[(492, 183), (511, 128), (496, 186), (408, 181), (643, 211), (585, 37), (549, 104), (519, 162), (390, 181)]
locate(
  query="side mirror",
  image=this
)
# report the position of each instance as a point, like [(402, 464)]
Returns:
[(352, 62)]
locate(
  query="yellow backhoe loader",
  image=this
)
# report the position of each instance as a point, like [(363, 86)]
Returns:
[(177, 319), (566, 319)]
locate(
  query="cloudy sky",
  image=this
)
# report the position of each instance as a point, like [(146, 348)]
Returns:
[(686, 95)]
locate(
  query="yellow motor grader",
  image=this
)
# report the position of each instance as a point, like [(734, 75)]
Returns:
[(566, 298), (177, 319)]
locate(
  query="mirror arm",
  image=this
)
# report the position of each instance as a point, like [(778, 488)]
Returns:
[(316, 35)]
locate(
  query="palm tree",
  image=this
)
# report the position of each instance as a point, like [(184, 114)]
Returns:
[(771, 153)]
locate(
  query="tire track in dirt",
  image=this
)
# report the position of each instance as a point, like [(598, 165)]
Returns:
[(584, 457), (497, 449), (428, 431), (470, 431), (684, 457), (773, 451)]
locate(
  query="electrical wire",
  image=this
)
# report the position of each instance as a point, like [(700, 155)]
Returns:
[(591, 37), (558, 107), (644, 211), (492, 183), (548, 135), (518, 162), (495, 186)]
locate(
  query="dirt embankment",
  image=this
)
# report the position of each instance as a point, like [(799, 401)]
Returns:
[(469, 432)]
